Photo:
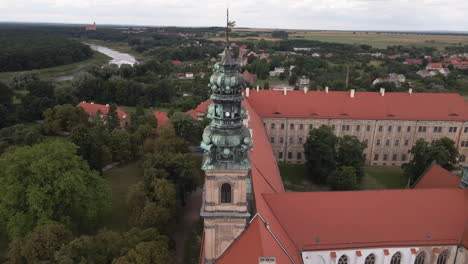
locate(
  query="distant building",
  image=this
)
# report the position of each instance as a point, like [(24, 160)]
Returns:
[(302, 49), (460, 65), (435, 66), (161, 117), (413, 62), (93, 109), (303, 82), (176, 62), (277, 72), (430, 73), (397, 79), (91, 27)]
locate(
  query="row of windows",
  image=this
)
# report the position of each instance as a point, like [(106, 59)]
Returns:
[(291, 140), (395, 143), (421, 129), (396, 258), (290, 155), (394, 157)]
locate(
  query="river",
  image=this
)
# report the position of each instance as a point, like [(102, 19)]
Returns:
[(117, 57)]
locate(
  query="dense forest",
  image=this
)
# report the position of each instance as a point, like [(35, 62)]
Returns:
[(29, 52)]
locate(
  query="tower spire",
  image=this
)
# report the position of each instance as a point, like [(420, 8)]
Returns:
[(227, 27)]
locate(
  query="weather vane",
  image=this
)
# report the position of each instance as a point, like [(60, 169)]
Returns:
[(229, 25)]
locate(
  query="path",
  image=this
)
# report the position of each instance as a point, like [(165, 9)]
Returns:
[(185, 224)]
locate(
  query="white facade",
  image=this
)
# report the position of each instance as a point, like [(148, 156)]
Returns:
[(384, 255)]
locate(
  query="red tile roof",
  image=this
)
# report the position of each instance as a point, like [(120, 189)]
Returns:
[(436, 65), (161, 117), (365, 105), (437, 177), (176, 62), (361, 219), (249, 77), (92, 109), (414, 61)]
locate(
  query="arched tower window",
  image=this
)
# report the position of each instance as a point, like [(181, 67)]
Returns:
[(226, 193), (370, 259), (396, 258), (420, 258), (343, 260), (442, 259)]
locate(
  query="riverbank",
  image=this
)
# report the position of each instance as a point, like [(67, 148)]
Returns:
[(122, 47)]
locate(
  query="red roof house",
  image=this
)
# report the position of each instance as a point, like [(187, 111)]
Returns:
[(161, 117), (413, 62), (92, 109), (437, 177), (249, 77), (176, 62)]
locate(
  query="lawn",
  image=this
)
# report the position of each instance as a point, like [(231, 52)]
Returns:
[(388, 177), (295, 178), (121, 179), (64, 70)]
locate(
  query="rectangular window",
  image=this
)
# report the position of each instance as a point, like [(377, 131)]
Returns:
[(403, 157), (333, 127), (463, 144), (387, 142), (422, 129), (465, 130), (390, 128), (282, 126), (311, 127), (376, 157), (368, 128), (280, 155), (289, 155), (378, 142), (380, 128), (399, 129), (408, 129), (394, 158), (291, 126), (272, 140), (406, 142), (452, 129), (397, 142), (385, 157), (300, 140), (301, 127), (437, 129), (299, 155), (358, 128), (291, 140), (273, 125), (281, 140)]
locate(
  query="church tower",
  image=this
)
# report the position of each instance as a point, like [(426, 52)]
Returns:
[(226, 142)]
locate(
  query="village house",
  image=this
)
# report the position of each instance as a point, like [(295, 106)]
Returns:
[(93, 109), (397, 79), (413, 62), (277, 72), (249, 77), (303, 82)]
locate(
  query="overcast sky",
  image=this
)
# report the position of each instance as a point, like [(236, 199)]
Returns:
[(297, 14)]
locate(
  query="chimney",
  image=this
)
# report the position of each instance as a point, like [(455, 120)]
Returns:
[(267, 260), (258, 88), (464, 181), (326, 89), (351, 94), (247, 92), (285, 90), (382, 91), (410, 91), (305, 90)]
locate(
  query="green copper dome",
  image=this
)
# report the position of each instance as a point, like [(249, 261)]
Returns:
[(226, 140)]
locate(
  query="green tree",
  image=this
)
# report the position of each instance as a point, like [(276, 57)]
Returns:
[(40, 97), (350, 152), (155, 252), (186, 127), (441, 151), (113, 121), (91, 145), (19, 135), (6, 105), (39, 245), (266, 86), (62, 118), (320, 153), (49, 182), (343, 179), (120, 145)]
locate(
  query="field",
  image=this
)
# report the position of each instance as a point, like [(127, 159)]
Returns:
[(64, 70), (375, 39)]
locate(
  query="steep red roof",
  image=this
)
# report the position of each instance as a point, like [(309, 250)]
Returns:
[(161, 117), (203, 107), (360, 219), (365, 105), (437, 177), (436, 65), (92, 109), (176, 62)]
